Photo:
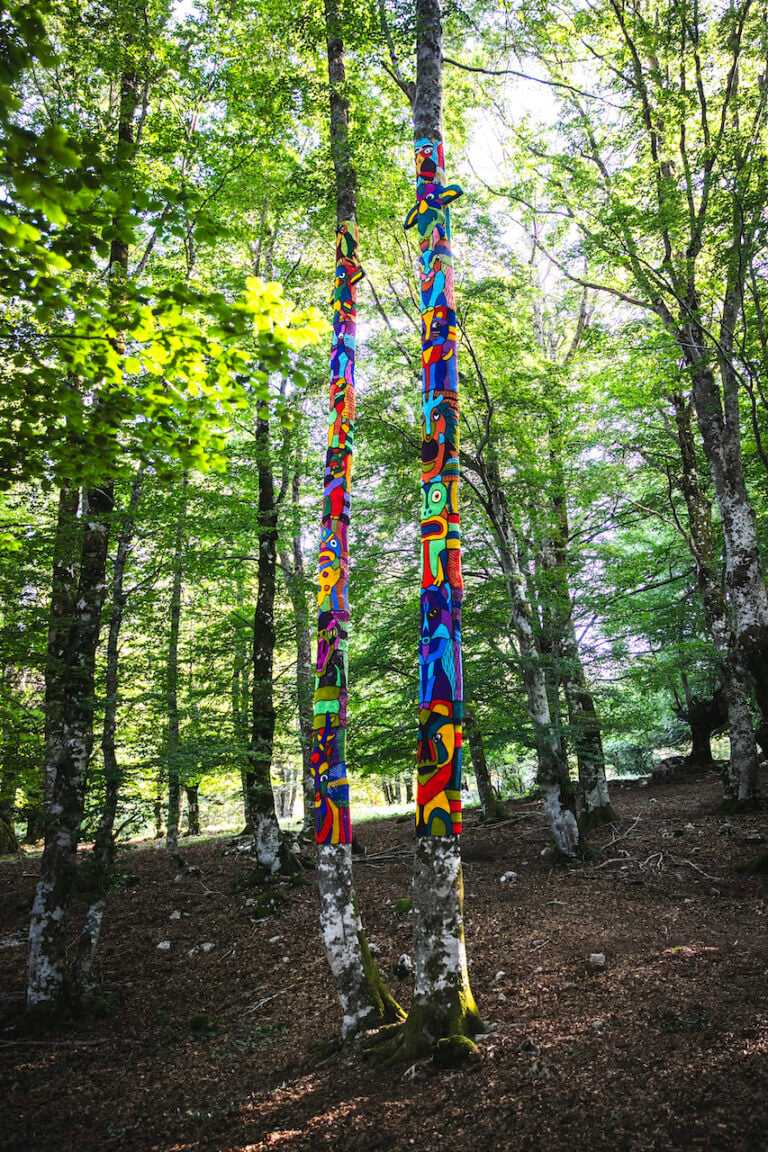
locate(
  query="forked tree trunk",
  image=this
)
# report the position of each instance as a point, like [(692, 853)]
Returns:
[(66, 568), (71, 697), (72, 749), (364, 1001), (103, 855)]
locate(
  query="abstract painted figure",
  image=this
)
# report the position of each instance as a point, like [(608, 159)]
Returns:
[(332, 818), (438, 797)]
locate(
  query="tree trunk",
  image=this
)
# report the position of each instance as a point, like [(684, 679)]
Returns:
[(491, 807), (173, 741), (443, 1005), (66, 567), (193, 809), (741, 784), (745, 579), (296, 580), (261, 800), (103, 855), (72, 749), (553, 776), (364, 1000)]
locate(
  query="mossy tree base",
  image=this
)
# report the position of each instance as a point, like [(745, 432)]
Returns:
[(441, 1026), (8, 840), (443, 1005)]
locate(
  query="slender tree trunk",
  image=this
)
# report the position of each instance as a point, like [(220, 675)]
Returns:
[(584, 722), (491, 807), (365, 1003), (104, 844), (66, 568), (261, 800), (9, 775), (296, 581), (553, 776), (741, 784), (172, 684)]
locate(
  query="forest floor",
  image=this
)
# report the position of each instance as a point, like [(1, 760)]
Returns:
[(662, 1048)]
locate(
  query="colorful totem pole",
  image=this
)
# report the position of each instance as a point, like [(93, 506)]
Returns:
[(332, 818), (438, 796)]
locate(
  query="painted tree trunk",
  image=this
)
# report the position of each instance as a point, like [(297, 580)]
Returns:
[(741, 784), (490, 806), (443, 1005), (364, 1001), (49, 922), (104, 845), (264, 826), (172, 683)]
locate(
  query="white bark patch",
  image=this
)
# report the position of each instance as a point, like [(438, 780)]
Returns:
[(266, 842), (561, 820), (340, 929), (438, 924)]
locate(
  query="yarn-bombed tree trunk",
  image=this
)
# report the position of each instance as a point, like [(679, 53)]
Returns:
[(365, 1001), (443, 1006)]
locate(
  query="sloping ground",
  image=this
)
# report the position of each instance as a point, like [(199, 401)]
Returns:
[(663, 1048)]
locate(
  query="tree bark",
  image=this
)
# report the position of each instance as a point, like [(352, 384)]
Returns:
[(364, 1000), (264, 826), (66, 567), (491, 807), (741, 783), (443, 1005), (72, 749), (103, 856), (193, 809), (296, 581), (173, 741), (553, 776), (584, 723)]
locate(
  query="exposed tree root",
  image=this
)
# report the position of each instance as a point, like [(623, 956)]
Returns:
[(439, 1028)]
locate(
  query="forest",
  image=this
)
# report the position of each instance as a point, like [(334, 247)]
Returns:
[(383, 608)]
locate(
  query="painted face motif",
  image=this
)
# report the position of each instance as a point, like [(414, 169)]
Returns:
[(434, 498)]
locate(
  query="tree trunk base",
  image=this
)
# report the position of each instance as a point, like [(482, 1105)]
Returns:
[(365, 1002), (441, 1027), (8, 839), (493, 811), (596, 817)]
